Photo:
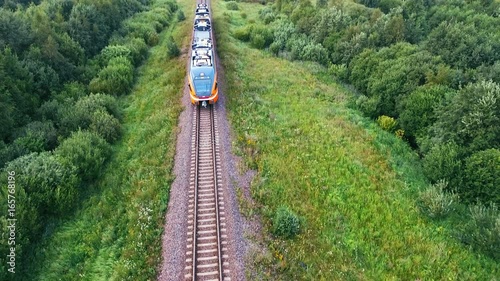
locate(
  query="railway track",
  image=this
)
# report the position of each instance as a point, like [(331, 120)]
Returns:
[(206, 249)]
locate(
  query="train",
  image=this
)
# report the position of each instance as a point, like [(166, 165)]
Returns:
[(202, 80)]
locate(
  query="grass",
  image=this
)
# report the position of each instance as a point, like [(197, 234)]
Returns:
[(116, 234), (353, 184)]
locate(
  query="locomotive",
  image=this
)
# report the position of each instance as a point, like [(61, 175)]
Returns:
[(202, 79)]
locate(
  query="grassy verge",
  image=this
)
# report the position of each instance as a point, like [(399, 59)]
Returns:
[(352, 184), (116, 234)]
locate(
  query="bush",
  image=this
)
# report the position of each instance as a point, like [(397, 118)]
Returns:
[(267, 15), (105, 125), (435, 202), (242, 33), (286, 223), (481, 177), (80, 114), (50, 185), (85, 150), (315, 52), (38, 136), (443, 162), (180, 15), (115, 79), (138, 48), (386, 123), (340, 71), (172, 49), (417, 112), (483, 230), (114, 51), (232, 5), (258, 41)]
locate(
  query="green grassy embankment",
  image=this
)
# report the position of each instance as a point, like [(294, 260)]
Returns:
[(116, 234), (353, 184)]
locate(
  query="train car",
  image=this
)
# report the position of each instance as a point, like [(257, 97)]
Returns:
[(202, 69)]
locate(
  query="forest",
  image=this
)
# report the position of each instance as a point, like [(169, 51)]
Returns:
[(63, 64), (427, 71)]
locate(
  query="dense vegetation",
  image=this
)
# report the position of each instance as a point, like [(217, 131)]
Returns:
[(63, 67), (337, 193), (427, 71)]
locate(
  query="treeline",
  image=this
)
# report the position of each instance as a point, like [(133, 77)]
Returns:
[(426, 70), (62, 65)]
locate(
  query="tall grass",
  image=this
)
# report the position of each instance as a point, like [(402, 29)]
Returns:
[(116, 234), (353, 184)]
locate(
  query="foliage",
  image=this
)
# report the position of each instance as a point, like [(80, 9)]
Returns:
[(105, 125), (180, 15), (481, 177), (418, 108), (435, 201), (242, 33), (360, 212), (172, 49), (482, 231), (286, 223), (232, 5), (115, 79), (443, 162), (114, 51), (86, 151), (471, 117), (386, 123)]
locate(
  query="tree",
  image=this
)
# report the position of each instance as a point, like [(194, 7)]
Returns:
[(85, 150), (470, 118), (417, 109), (105, 125), (481, 179), (88, 27), (14, 32), (443, 163), (50, 185), (115, 79)]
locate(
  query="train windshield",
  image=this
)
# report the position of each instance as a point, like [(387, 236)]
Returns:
[(203, 81)]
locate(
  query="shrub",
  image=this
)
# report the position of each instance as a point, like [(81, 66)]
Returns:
[(338, 70), (261, 36), (114, 51), (85, 150), (417, 112), (386, 123), (50, 184), (315, 52), (138, 48), (232, 5), (80, 114), (267, 15), (180, 15), (38, 136), (286, 223), (482, 231), (368, 105), (105, 125), (435, 202), (296, 45), (242, 33), (443, 162), (481, 177), (243, 15), (172, 49), (115, 79), (258, 41)]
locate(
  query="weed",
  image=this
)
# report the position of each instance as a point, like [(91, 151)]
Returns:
[(286, 223), (435, 202)]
